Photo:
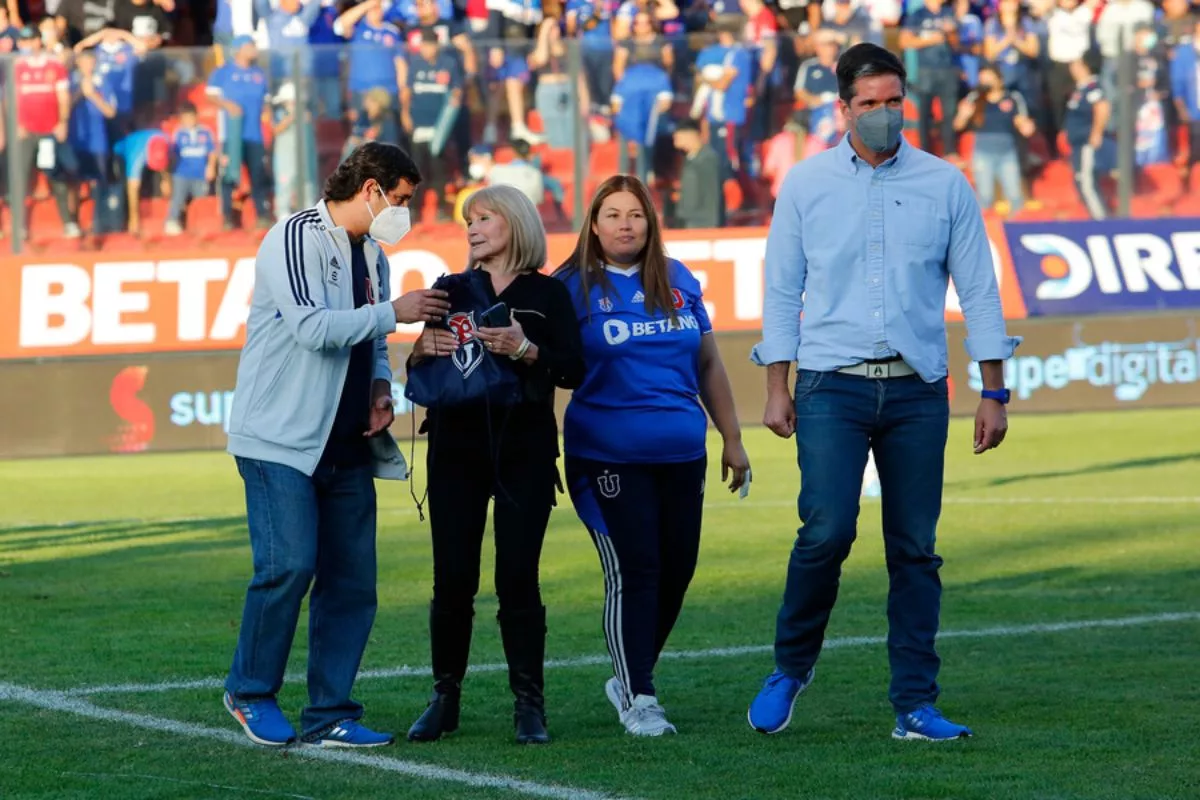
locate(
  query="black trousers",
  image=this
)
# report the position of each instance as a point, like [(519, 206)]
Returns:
[(645, 522), (462, 479), (1059, 86), (942, 84), (434, 171), (1194, 142), (67, 169)]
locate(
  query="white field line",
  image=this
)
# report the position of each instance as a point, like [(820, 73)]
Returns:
[(719, 505), (60, 702), (125, 776), (1148, 500), (717, 652)]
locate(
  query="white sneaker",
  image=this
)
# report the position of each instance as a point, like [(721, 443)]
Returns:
[(520, 131), (616, 694), (172, 228), (645, 717)]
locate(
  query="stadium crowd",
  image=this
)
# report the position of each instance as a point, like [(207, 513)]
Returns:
[(479, 91)]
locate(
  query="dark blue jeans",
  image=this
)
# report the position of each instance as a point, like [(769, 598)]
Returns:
[(253, 155), (318, 531), (839, 418)]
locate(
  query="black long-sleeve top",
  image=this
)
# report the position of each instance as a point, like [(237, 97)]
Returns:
[(543, 307)]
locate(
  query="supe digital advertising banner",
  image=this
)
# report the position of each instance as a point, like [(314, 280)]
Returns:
[(94, 304), (130, 404), (1092, 364), (181, 401), (1113, 266)]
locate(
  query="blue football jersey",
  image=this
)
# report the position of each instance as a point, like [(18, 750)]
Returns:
[(640, 399)]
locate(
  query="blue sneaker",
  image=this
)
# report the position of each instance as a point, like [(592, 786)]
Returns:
[(262, 721), (771, 710), (349, 733), (927, 724)]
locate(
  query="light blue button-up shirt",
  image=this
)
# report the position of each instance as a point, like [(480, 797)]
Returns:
[(867, 255)]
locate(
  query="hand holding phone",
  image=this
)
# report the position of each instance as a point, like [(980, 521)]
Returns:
[(744, 490), (496, 317)]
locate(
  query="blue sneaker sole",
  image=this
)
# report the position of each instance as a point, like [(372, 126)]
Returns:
[(911, 736), (233, 712), (348, 745), (782, 727), (788, 721)]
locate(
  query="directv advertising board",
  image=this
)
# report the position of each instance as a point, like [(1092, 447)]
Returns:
[(1092, 364), (1126, 265)]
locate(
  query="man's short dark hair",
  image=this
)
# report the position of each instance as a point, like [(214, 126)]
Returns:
[(866, 60), (1093, 60), (687, 125), (383, 162), (187, 108)]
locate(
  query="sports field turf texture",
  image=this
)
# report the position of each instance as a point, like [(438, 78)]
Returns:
[(131, 570)]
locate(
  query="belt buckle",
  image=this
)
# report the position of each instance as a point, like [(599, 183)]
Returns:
[(879, 370)]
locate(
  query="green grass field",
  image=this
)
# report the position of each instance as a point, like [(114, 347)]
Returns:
[(131, 570)]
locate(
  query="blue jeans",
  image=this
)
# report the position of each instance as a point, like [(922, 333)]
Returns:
[(839, 418), (1002, 167), (552, 99), (318, 531), (183, 191), (253, 156)]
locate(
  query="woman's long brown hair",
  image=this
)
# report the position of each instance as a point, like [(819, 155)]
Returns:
[(982, 101), (588, 257)]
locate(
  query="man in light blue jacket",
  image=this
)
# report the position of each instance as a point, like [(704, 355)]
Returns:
[(309, 432)]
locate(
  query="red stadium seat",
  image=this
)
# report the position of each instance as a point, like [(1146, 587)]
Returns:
[(966, 145), (1160, 183), (604, 160), (734, 195), (1182, 147), (1188, 205), (1027, 214)]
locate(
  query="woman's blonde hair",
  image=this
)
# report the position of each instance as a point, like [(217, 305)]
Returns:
[(381, 97), (527, 234)]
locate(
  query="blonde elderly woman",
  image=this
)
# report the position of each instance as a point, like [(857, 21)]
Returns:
[(479, 451)]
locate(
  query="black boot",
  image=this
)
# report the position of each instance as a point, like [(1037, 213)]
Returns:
[(450, 641), (524, 635)]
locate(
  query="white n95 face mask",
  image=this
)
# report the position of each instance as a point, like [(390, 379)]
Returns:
[(390, 225)]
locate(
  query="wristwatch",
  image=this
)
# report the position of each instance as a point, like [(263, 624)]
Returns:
[(1001, 396)]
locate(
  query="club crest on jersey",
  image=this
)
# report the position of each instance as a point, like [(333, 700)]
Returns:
[(610, 485), (469, 354), (606, 305), (677, 298)]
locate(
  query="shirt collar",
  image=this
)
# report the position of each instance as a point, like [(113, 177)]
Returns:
[(632, 269), (846, 153)]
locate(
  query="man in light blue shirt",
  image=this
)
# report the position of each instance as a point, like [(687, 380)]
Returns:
[(864, 239)]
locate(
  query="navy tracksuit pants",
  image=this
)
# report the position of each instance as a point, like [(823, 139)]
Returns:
[(645, 522)]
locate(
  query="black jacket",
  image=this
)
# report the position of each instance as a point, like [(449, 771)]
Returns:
[(529, 429)]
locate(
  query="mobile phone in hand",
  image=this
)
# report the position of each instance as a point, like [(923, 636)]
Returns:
[(744, 489), (495, 317)]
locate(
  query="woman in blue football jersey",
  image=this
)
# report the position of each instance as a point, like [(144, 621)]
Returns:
[(634, 432)]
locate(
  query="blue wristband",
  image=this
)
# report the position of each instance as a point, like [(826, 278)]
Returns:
[(1001, 396)]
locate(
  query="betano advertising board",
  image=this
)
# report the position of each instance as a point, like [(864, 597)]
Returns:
[(97, 304), (181, 401)]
